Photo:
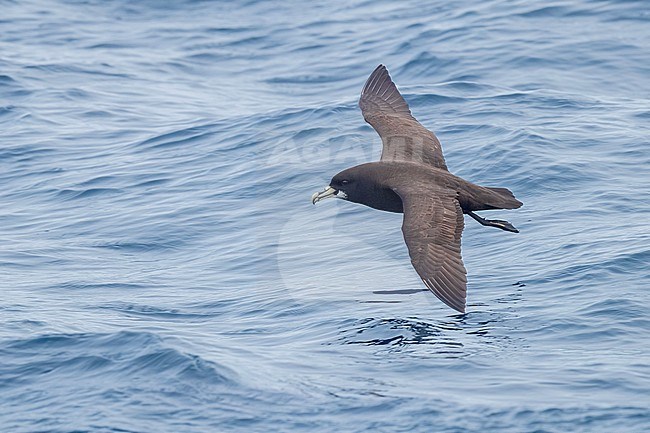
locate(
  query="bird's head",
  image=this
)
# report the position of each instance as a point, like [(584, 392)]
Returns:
[(365, 184), (346, 185)]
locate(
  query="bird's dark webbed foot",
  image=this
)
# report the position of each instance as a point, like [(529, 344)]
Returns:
[(502, 224)]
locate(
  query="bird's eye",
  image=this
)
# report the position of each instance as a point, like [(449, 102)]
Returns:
[(345, 182)]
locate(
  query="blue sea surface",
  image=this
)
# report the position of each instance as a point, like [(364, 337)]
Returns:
[(162, 268)]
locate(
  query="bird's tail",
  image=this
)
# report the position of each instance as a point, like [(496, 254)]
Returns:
[(503, 198)]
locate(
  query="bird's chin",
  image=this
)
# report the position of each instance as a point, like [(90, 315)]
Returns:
[(328, 192)]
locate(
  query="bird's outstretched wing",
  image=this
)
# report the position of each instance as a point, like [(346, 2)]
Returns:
[(432, 228), (402, 136)]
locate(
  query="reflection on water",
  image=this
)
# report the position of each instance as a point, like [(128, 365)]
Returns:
[(449, 338)]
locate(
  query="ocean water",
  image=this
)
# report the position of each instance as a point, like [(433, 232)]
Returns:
[(163, 270)]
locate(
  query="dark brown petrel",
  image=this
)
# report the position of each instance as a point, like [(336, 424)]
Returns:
[(412, 178)]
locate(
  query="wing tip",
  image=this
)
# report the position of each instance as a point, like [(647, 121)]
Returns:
[(458, 304), (381, 93), (380, 72)]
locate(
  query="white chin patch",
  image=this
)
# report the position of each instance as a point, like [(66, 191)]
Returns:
[(342, 194)]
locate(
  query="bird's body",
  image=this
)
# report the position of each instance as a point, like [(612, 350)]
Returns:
[(412, 178), (387, 176)]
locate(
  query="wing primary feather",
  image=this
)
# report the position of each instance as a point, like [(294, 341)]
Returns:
[(432, 230), (388, 112)]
